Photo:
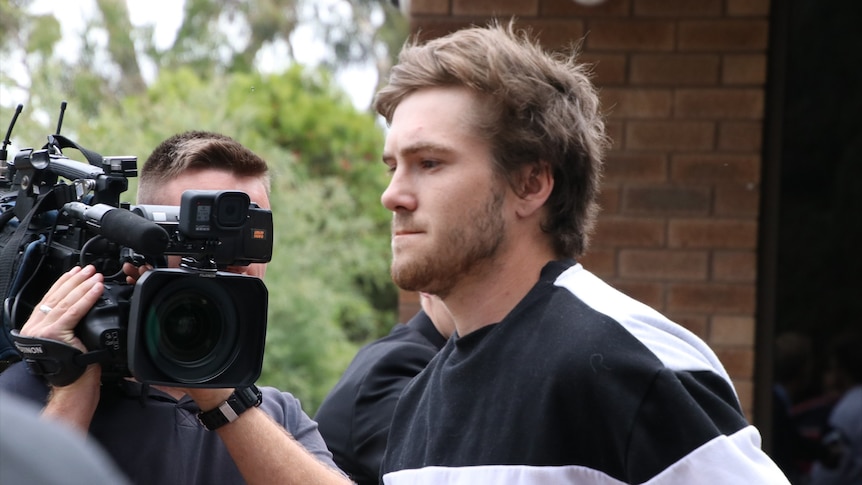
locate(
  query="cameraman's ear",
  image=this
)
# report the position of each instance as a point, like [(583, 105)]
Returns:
[(535, 184)]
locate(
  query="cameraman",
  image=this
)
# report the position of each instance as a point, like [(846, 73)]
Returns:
[(152, 432)]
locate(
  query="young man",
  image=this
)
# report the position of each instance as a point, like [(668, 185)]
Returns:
[(153, 433), (495, 150), (354, 418)]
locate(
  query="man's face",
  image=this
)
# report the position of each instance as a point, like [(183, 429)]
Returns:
[(448, 205), (210, 179)]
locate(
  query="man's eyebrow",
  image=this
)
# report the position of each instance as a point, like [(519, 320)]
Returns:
[(425, 147)]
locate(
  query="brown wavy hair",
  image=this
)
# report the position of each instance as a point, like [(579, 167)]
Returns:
[(540, 107)]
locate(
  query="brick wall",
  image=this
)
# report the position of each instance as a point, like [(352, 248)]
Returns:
[(682, 82)]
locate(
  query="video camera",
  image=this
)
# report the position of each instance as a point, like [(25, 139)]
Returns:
[(192, 326)]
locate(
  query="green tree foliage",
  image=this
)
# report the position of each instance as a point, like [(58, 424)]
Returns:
[(329, 283)]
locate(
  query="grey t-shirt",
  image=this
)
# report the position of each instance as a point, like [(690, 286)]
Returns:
[(155, 438)]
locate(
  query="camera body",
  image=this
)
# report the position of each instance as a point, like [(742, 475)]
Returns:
[(192, 326)]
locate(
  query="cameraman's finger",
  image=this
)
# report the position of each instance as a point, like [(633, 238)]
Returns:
[(63, 294), (67, 283), (134, 273), (60, 322), (62, 280), (62, 307), (78, 300), (53, 296)]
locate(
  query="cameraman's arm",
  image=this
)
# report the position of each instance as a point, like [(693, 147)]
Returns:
[(264, 451), (69, 299), (76, 403)]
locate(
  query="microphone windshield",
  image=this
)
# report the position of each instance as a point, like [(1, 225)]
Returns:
[(129, 229)]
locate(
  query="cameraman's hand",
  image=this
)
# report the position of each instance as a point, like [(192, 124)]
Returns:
[(55, 318), (134, 273), (207, 398), (66, 303)]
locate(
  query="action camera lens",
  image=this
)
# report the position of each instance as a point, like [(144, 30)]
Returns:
[(231, 209)]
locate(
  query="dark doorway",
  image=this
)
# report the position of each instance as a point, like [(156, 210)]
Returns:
[(810, 287)]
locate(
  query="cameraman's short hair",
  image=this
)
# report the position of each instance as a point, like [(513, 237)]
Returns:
[(537, 107), (197, 150)]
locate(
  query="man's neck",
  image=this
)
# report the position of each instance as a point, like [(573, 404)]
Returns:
[(486, 297)]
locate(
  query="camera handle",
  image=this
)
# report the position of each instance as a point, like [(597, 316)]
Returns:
[(59, 363), (59, 142)]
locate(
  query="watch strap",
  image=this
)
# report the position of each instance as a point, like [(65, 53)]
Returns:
[(240, 401)]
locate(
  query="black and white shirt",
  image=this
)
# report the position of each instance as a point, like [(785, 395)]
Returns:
[(578, 384)]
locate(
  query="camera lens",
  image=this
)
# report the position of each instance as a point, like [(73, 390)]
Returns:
[(191, 334)]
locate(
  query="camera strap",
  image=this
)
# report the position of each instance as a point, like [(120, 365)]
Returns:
[(59, 363), (10, 252), (61, 142)]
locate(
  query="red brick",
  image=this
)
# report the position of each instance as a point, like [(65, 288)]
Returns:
[(745, 392), (677, 8), (609, 199), (636, 103), (744, 69), (744, 136), (630, 35), (663, 265), (719, 103), (711, 298), (732, 330), (739, 201), (607, 69), (667, 200), (631, 167), (614, 131), (696, 324), (562, 35), (738, 362), (568, 8), (600, 261), (629, 232), (723, 35), (408, 305), (433, 7), (734, 266), (748, 8), (714, 233), (649, 293), (426, 28), (674, 69), (496, 8), (715, 169), (670, 135)]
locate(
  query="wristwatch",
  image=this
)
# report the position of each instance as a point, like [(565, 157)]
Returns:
[(242, 399)]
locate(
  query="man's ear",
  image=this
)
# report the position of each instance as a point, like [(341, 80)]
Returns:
[(535, 185)]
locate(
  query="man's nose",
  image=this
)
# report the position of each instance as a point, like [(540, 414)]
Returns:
[(399, 194)]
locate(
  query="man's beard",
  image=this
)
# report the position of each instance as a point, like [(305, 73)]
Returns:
[(471, 242)]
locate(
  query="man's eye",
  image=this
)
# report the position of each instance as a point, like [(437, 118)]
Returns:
[(429, 164)]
